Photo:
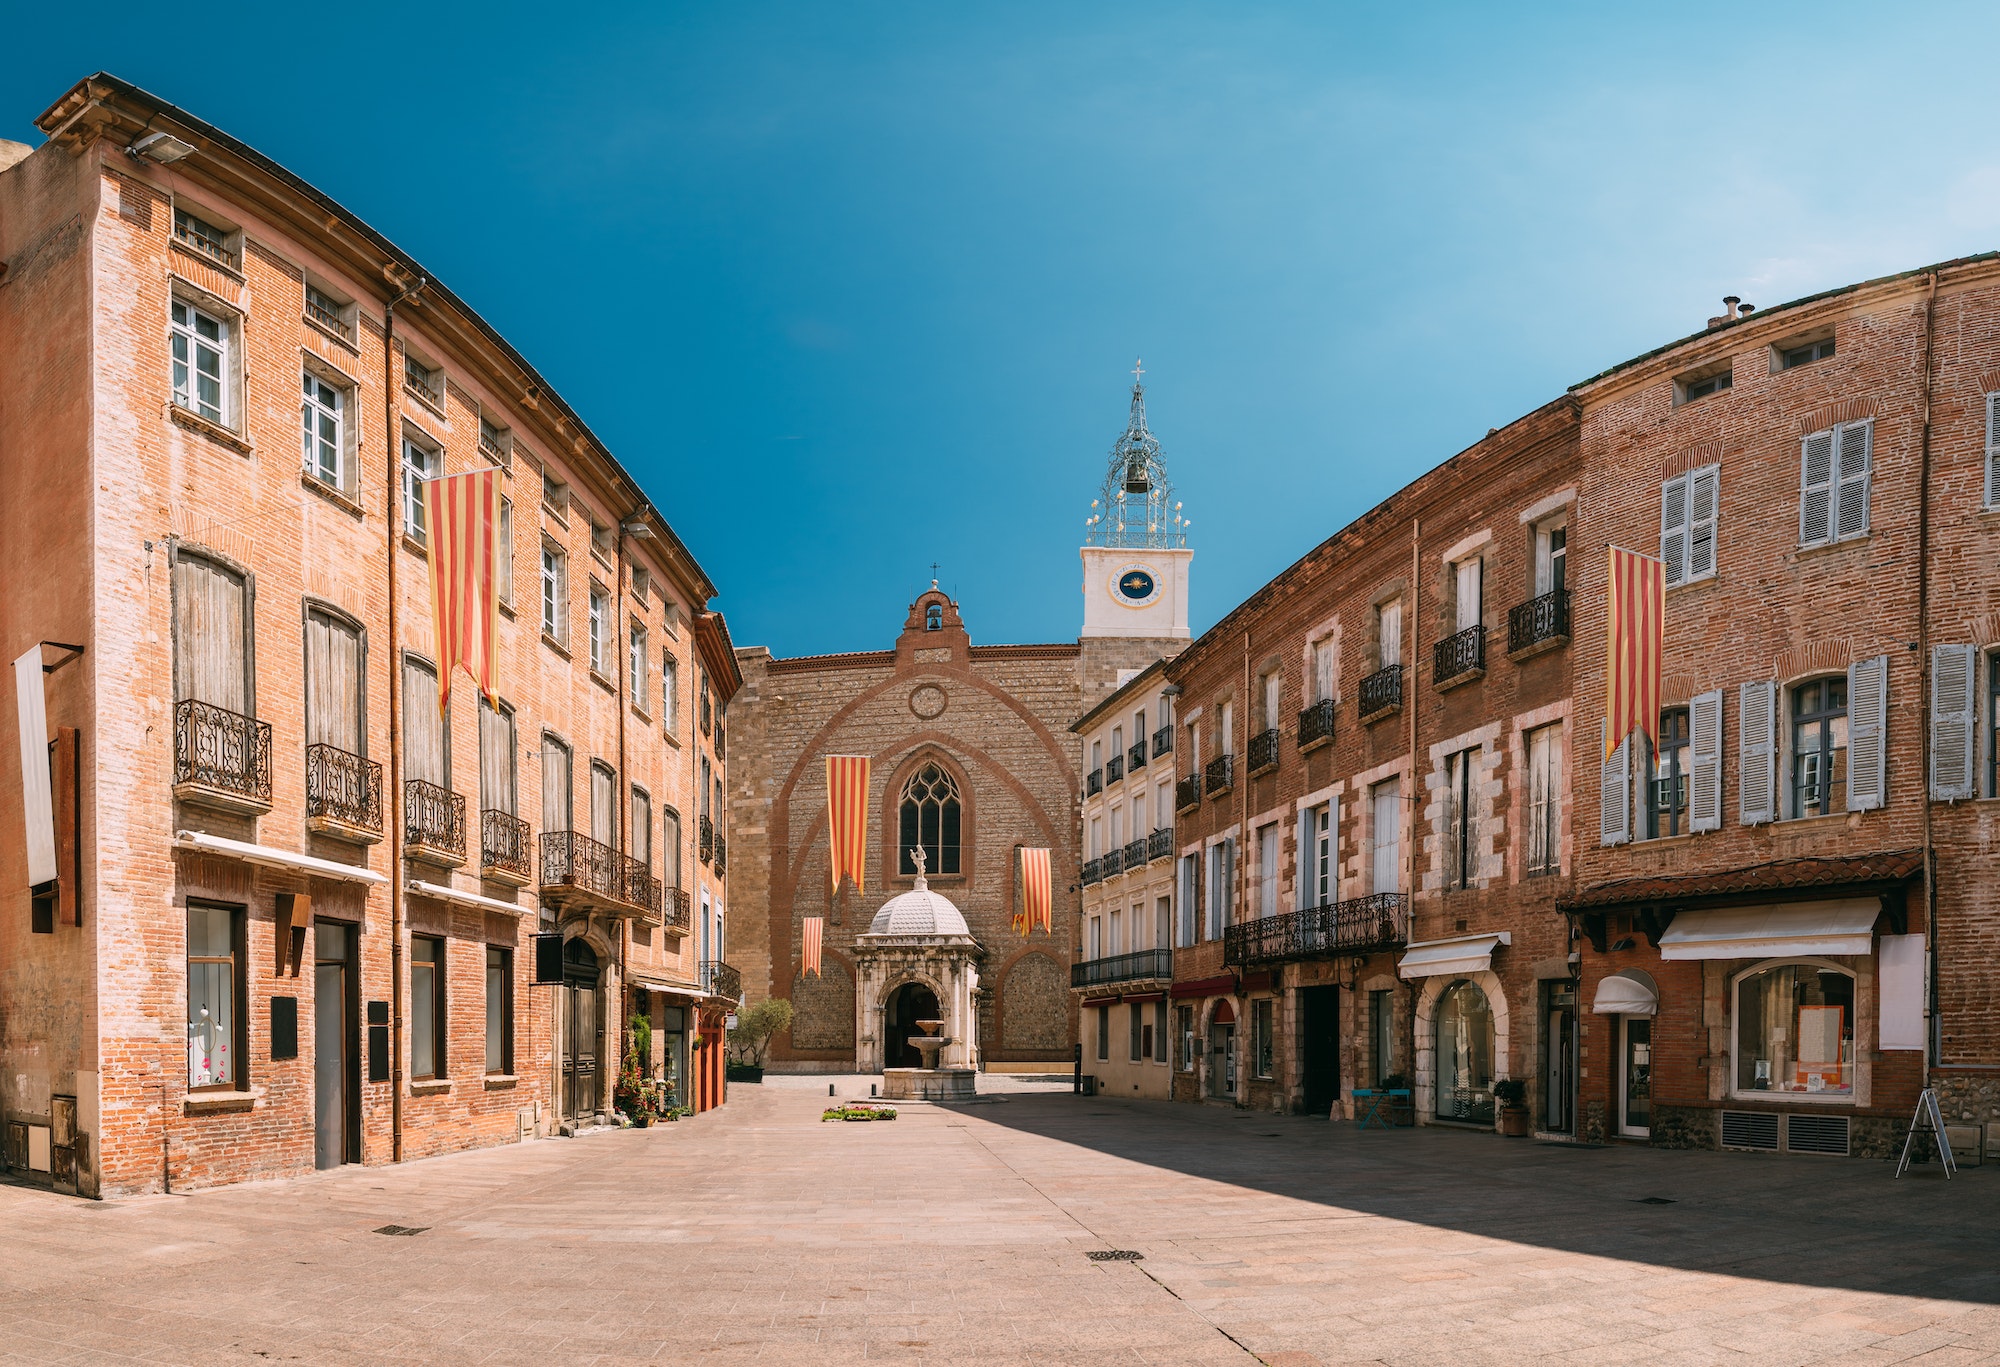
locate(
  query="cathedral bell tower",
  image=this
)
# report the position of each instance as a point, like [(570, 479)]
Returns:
[(1135, 552)]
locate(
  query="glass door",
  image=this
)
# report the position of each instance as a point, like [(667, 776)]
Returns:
[(1635, 1076), (333, 1044), (1559, 1058), (1222, 1060)]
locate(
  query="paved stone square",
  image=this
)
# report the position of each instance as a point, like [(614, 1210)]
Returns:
[(756, 1233)]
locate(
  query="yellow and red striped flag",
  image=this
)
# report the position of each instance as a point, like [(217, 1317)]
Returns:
[(462, 515), (846, 817), (1635, 635), (1035, 891), (809, 945)]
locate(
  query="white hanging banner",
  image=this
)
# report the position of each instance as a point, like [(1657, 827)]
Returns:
[(1901, 966), (36, 803)]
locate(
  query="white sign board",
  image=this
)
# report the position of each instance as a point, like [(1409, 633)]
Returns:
[(35, 800), (1902, 967)]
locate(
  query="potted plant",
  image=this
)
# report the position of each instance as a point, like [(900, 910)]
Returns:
[(1512, 1094), (756, 1026)]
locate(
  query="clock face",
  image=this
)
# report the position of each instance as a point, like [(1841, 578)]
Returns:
[(1135, 585)]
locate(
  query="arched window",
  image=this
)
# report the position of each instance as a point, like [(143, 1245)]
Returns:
[(1465, 1055), (1795, 1030), (934, 617), (930, 817)]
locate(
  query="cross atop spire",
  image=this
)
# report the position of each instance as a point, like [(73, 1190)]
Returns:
[(1137, 370)]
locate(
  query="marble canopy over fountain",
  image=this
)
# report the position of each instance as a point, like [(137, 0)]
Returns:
[(919, 936)]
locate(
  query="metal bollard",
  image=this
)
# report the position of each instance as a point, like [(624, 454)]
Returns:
[(829, 1089), (871, 1089)]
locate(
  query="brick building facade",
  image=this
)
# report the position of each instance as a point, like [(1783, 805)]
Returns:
[(288, 927)]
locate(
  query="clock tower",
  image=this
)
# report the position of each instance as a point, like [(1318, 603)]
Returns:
[(1135, 552)]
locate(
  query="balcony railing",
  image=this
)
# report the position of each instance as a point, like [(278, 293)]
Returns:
[(718, 979), (705, 840), (1094, 784), (343, 791), (721, 855), (1163, 741), (195, 240), (1316, 724), (721, 742), (1135, 854), (576, 868), (677, 907), (425, 384), (1123, 968), (1135, 758), (1187, 793), (1113, 862), (433, 821), (328, 318), (1221, 774), (506, 849), (1382, 692), (1093, 871), (641, 888), (1356, 926), (222, 754), (1457, 656), (1114, 768), (1264, 751), (1160, 844), (489, 445), (1538, 623)]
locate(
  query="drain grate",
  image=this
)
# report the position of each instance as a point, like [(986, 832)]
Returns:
[(1113, 1255), (402, 1229), (1656, 1200)]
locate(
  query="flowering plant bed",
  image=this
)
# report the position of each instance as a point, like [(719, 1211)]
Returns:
[(858, 1111)]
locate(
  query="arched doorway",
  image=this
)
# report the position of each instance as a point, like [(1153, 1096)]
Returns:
[(908, 1004), (1222, 1052), (1465, 1055), (583, 1029)]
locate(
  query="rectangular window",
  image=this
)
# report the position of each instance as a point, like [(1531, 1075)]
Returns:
[(201, 363), (1156, 1044), (322, 422), (1322, 680), (1551, 557), (498, 783), (328, 312), (600, 541), (1267, 870), (1096, 850), (419, 464), (600, 646), (1095, 946), (1835, 471), (426, 382), (1316, 884), (499, 1010), (1381, 1036), (1386, 836), (1689, 505), (1190, 883), (1184, 1029), (1468, 587), (1545, 787), (642, 827), (1104, 1033), (555, 496), (496, 443), (1702, 387), (555, 594), (426, 730), (1221, 888), (1667, 789), (333, 687), (199, 235), (1389, 634), (558, 799), (507, 550), (1163, 924), (1819, 747), (670, 692), (636, 654), (1993, 725), (1805, 354), (1138, 1011), (215, 1045), (1461, 823), (1262, 1036), (427, 1032), (1115, 945), (1226, 743), (1271, 688)]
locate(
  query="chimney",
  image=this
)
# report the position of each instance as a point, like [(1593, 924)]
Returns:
[(1728, 314)]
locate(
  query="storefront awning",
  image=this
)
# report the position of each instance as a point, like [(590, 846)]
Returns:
[(443, 892), (1630, 993), (1838, 927), (270, 857), (665, 986), (1463, 954)]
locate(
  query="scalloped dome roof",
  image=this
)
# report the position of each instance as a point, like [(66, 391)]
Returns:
[(919, 912)]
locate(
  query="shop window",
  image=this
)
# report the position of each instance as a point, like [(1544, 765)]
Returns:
[(1184, 1028), (1262, 1014), (1382, 1036), (1104, 1034), (499, 1010), (427, 1030), (1465, 1055), (214, 997), (1795, 1030)]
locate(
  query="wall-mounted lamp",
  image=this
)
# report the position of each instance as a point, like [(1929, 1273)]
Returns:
[(164, 148)]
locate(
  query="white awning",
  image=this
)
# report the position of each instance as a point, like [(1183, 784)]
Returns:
[(1464, 954), (1623, 994), (445, 893), (666, 986), (1838, 927), (272, 857)]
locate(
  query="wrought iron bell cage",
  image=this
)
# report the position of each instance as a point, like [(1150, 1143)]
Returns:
[(1136, 505)]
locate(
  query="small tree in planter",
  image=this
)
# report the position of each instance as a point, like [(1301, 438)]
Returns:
[(1512, 1094), (755, 1028)]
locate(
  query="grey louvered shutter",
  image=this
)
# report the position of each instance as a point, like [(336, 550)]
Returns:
[(1867, 733), (1705, 762), (424, 726), (1816, 488), (1674, 528), (209, 634), (1954, 699), (333, 683), (1992, 450), (1857, 440), (1757, 757), (1615, 797), (497, 786), (557, 793), (1704, 494)]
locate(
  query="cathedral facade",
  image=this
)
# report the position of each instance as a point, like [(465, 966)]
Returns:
[(972, 760)]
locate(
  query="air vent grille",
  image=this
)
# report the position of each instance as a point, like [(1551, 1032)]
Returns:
[(1750, 1130), (1816, 1134)]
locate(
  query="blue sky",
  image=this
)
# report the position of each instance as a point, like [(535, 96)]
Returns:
[(855, 288)]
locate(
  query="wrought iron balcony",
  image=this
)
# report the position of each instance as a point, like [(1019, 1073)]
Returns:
[(1114, 768), (1264, 751), (425, 384), (343, 794), (1381, 693), (1538, 624), (1221, 774), (1094, 784), (1187, 793), (1458, 657), (1123, 968), (705, 840), (1316, 724), (1163, 741), (1113, 862), (489, 445), (1359, 925), (678, 909), (433, 823), (221, 758), (586, 874), (721, 855), (1135, 758), (1135, 854), (1093, 871), (721, 747), (1160, 844), (506, 849), (718, 979), (329, 318)]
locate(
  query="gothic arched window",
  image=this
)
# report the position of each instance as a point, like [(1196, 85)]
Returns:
[(930, 817), (934, 617)]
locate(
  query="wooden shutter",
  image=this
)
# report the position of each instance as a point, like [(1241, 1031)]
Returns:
[(497, 786), (333, 682), (1704, 497), (642, 828), (423, 724), (1856, 460), (1468, 594), (1992, 450), (1392, 634), (1954, 700), (556, 792), (1757, 756), (603, 806), (210, 634), (1615, 797), (1705, 761), (1816, 488), (670, 846), (1674, 527), (1867, 732)]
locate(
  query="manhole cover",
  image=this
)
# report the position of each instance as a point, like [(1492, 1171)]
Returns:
[(1113, 1255), (402, 1229), (1656, 1200)]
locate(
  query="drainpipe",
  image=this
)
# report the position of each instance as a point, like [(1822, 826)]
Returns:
[(1410, 800), (392, 455), (1935, 1034)]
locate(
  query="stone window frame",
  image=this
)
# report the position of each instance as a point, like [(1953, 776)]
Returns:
[(891, 813)]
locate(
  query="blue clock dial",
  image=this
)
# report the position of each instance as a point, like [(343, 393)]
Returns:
[(1136, 584)]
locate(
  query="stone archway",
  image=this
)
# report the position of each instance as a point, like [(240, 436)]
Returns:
[(1424, 1028), (905, 1005), (583, 1062)]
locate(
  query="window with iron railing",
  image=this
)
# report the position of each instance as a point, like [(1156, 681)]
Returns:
[(1221, 774), (1187, 793), (1459, 654), (1264, 750), (424, 381), (1382, 691), (1163, 741), (329, 313), (199, 235), (1316, 724), (1539, 621)]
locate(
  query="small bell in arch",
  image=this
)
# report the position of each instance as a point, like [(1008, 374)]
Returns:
[(1136, 479)]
